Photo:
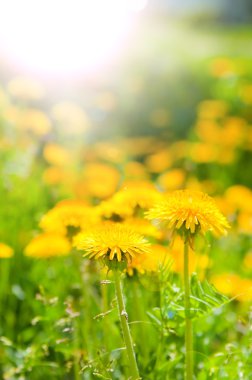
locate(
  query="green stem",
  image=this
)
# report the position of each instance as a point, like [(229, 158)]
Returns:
[(140, 316), (125, 328), (104, 308), (4, 283), (188, 321)]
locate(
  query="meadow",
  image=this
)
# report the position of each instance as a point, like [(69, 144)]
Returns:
[(78, 170)]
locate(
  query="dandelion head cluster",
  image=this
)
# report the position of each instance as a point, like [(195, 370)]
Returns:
[(67, 214), (150, 262), (111, 241), (133, 196), (191, 211)]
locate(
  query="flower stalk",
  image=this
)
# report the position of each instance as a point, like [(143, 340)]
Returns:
[(188, 321), (134, 373)]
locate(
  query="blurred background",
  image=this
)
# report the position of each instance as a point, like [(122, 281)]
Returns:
[(157, 90), (133, 67)]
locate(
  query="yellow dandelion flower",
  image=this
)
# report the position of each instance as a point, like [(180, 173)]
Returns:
[(179, 149), (115, 210), (212, 109), (5, 251), (225, 282), (208, 131), (150, 262), (226, 155), (190, 210), (111, 241), (240, 196), (135, 194), (233, 132), (55, 175), (134, 170), (143, 227), (203, 152), (56, 155), (138, 194), (222, 67), (244, 290), (244, 221), (172, 179), (158, 162), (48, 245), (67, 214), (101, 179), (207, 186), (233, 285)]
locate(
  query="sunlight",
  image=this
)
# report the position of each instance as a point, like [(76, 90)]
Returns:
[(65, 36)]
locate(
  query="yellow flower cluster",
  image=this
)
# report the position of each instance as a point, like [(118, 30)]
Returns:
[(123, 239)]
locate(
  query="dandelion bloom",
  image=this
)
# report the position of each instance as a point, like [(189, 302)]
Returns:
[(48, 245), (159, 257), (101, 179), (5, 251), (57, 155), (143, 227), (73, 214), (134, 195), (111, 241), (234, 286), (190, 210), (55, 175), (160, 161), (172, 179)]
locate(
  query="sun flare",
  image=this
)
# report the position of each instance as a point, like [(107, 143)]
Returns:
[(65, 36)]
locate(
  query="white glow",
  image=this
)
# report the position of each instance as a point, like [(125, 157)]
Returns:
[(64, 35), (137, 5)]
